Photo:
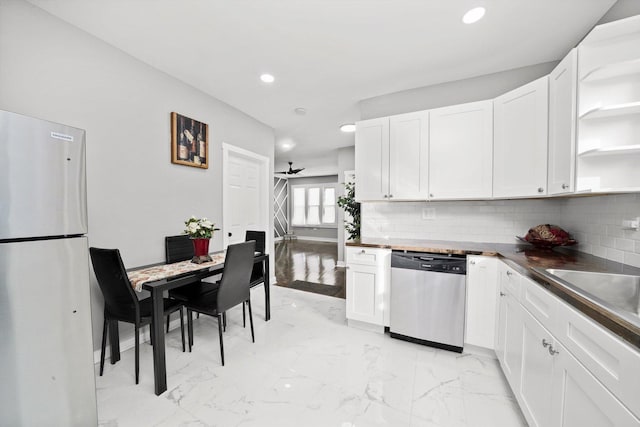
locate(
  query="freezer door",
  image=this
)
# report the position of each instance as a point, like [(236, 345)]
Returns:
[(46, 349), (42, 178)]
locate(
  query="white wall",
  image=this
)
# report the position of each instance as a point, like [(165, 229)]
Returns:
[(596, 222), (490, 221), (450, 93), (52, 70)]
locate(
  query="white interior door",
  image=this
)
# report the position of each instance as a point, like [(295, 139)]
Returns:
[(244, 202)]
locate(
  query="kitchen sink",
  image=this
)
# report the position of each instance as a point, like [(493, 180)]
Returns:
[(619, 293)]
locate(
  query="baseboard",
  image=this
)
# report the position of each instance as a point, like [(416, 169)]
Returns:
[(480, 351), (365, 326), (130, 342), (319, 239)]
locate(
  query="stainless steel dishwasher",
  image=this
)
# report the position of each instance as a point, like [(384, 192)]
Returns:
[(428, 294)]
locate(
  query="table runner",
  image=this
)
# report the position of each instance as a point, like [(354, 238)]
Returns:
[(159, 272)]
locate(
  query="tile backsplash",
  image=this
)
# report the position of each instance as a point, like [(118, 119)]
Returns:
[(596, 222)]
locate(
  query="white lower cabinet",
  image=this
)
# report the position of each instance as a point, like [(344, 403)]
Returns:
[(480, 319), (368, 276), (509, 325), (554, 387), (536, 380), (579, 399)]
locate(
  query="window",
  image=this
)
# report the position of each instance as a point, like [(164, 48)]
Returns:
[(314, 205)]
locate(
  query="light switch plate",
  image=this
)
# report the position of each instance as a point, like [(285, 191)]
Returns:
[(429, 213), (631, 224)]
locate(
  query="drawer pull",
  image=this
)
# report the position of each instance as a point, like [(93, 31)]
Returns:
[(363, 251), (502, 294), (545, 343), (509, 273), (552, 351)]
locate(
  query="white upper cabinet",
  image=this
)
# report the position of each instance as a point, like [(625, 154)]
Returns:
[(520, 141), (562, 125), (392, 157), (609, 108), (372, 159), (408, 156), (461, 151)]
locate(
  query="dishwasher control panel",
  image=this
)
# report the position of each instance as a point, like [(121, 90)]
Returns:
[(443, 263)]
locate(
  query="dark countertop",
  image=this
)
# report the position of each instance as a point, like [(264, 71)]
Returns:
[(523, 258)]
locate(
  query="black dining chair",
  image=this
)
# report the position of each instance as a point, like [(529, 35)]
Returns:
[(233, 289), (120, 300), (257, 274), (180, 248)]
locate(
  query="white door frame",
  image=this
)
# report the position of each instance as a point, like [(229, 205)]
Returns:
[(264, 190)]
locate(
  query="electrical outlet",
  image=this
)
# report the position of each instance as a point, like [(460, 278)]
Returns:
[(429, 213), (631, 224)]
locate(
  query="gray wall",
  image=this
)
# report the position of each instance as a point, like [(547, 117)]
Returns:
[(55, 71), (313, 232), (457, 92), (621, 9)]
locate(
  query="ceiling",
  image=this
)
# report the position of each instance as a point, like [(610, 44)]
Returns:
[(327, 55)]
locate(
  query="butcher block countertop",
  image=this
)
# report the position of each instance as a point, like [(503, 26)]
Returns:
[(524, 258)]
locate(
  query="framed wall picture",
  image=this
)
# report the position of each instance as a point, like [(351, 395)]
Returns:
[(189, 142)]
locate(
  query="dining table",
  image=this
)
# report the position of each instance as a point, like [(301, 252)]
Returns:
[(158, 278)]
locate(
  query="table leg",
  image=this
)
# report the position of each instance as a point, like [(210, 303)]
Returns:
[(114, 341), (267, 291), (157, 332)]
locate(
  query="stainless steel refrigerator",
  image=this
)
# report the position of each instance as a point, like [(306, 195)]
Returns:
[(46, 346)]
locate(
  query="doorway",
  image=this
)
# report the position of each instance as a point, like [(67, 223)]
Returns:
[(245, 194)]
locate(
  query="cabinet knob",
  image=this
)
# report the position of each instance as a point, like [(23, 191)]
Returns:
[(385, 196), (509, 273), (552, 351), (540, 190), (390, 195), (565, 186), (472, 262), (502, 294), (431, 195), (545, 343), (362, 251)]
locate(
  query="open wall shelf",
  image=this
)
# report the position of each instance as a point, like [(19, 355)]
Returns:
[(608, 151), (611, 111), (610, 71)]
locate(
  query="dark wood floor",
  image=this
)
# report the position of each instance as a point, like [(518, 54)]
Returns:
[(307, 261)]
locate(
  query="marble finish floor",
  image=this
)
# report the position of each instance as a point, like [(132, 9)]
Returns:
[(306, 368), (309, 261)]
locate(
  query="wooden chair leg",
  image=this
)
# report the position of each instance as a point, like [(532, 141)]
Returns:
[(220, 317), (105, 329), (182, 327), (137, 345), (168, 319), (253, 338), (244, 320), (224, 321)]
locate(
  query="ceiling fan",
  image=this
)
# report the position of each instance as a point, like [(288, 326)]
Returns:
[(291, 171)]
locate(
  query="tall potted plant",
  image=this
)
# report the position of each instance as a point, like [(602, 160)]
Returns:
[(200, 230), (352, 209)]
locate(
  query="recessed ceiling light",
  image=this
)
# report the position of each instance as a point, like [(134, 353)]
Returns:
[(474, 15), (348, 127), (267, 78), (300, 111)]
